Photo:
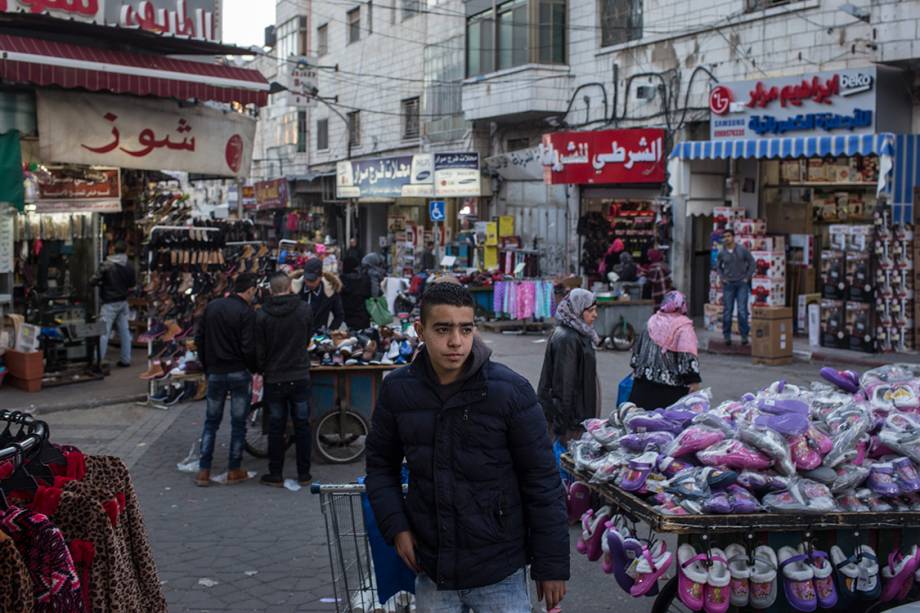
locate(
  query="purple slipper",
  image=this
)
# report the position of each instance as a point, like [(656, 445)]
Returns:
[(783, 406), (847, 380), (742, 501), (652, 422), (639, 441), (787, 424), (633, 478), (718, 503), (906, 475)]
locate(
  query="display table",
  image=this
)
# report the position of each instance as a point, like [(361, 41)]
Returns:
[(636, 313)]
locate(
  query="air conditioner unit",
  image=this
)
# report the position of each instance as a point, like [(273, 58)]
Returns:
[(270, 36)]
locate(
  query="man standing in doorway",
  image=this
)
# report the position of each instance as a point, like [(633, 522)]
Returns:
[(283, 331), (322, 291), (226, 347), (115, 279), (485, 499), (736, 268), (354, 251)]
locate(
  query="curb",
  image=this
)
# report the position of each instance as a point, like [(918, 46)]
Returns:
[(89, 404)]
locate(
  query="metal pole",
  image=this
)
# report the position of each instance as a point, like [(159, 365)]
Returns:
[(347, 224)]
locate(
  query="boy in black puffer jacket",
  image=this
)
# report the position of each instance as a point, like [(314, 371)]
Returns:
[(283, 330), (485, 496)]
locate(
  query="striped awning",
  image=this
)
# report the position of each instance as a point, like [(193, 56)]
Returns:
[(790, 147), (71, 66)]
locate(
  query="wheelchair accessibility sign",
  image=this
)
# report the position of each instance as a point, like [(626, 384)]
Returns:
[(436, 210)]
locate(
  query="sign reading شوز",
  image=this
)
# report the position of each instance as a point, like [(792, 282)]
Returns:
[(842, 101), (150, 134), (198, 19)]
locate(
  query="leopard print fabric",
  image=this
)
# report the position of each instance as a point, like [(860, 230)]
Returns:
[(109, 474), (16, 594), (112, 587)]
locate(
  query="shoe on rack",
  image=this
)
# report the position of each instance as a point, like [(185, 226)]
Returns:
[(203, 478), (716, 594), (825, 590), (178, 393), (236, 476), (272, 480), (592, 531), (740, 567), (156, 331), (161, 395), (763, 578), (691, 577), (172, 331), (154, 372)]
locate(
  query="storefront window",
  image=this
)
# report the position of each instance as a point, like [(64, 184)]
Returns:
[(515, 33)]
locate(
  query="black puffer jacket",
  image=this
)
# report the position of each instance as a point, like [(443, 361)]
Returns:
[(115, 279), (283, 331), (225, 338), (485, 497), (356, 288), (568, 383)]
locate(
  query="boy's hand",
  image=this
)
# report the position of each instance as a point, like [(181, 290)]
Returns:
[(405, 547), (552, 592)]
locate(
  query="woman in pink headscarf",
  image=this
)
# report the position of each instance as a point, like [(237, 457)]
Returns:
[(664, 361)]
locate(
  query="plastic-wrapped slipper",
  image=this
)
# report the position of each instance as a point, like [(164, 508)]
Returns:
[(882, 479), (733, 454), (718, 504), (803, 454), (906, 475), (691, 577), (772, 444), (787, 424), (637, 471), (740, 568), (616, 555), (798, 580), (669, 467), (652, 422), (653, 563), (716, 595), (693, 439), (742, 501), (764, 578), (824, 579), (640, 441)]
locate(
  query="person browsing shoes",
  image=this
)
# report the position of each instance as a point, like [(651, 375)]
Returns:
[(283, 331), (226, 349), (485, 497)]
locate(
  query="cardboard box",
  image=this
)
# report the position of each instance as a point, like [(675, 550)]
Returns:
[(833, 274), (817, 171), (750, 227), (771, 312), (24, 365), (801, 311), (768, 292), (712, 319), (859, 282), (860, 328), (833, 328), (786, 217), (771, 264), (772, 338)]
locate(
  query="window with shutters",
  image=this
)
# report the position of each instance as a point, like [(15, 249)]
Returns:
[(410, 116), (322, 40)]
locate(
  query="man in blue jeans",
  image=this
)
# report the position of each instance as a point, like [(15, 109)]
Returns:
[(115, 279), (283, 329), (736, 268), (226, 348)]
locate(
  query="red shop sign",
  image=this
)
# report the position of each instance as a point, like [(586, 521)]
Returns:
[(603, 157)]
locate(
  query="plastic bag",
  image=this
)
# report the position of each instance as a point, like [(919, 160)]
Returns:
[(771, 444), (378, 310), (624, 389), (603, 432), (693, 439)]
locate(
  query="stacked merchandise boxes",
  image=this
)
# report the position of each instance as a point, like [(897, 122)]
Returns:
[(867, 286), (895, 278), (768, 287)]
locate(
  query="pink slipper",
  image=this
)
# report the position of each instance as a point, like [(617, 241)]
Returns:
[(734, 454), (691, 577), (592, 523), (652, 565), (898, 574), (578, 500)]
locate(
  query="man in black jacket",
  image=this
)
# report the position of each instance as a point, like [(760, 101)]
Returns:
[(227, 350), (115, 278), (485, 497), (322, 291), (283, 330)]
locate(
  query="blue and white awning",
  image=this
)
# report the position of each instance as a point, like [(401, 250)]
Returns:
[(789, 147)]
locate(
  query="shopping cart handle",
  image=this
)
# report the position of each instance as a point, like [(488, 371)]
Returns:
[(315, 487)]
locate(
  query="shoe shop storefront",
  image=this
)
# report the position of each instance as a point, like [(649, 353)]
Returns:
[(89, 126), (814, 174), (407, 203)]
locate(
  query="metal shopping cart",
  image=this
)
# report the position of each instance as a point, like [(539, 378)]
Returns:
[(349, 522)]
